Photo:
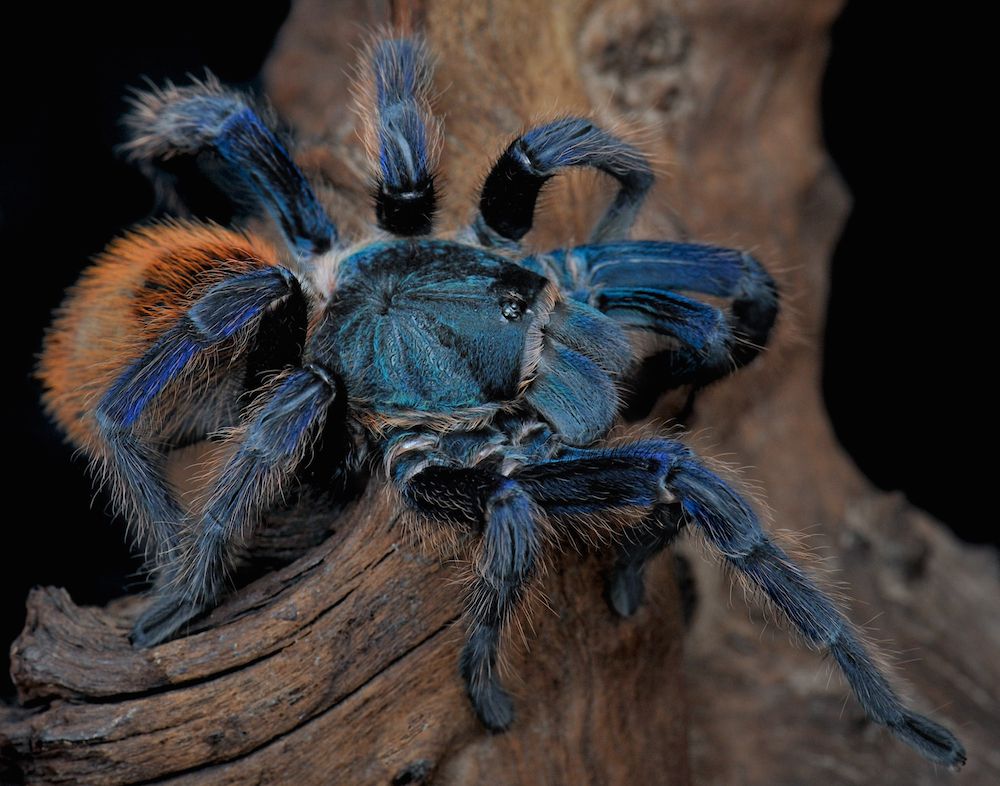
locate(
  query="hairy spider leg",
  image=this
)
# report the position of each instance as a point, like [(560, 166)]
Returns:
[(651, 473), (135, 463), (405, 136), (270, 448), (635, 283), (244, 157), (496, 507), (507, 201)]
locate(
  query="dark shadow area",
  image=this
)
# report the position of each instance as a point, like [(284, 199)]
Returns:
[(64, 193), (905, 350)]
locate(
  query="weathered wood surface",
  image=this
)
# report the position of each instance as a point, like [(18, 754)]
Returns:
[(340, 668)]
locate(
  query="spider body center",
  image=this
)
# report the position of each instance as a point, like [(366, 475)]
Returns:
[(423, 328)]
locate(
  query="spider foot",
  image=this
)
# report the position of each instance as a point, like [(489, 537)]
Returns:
[(163, 621), (625, 587), (625, 590), (491, 702), (932, 740), (493, 705)]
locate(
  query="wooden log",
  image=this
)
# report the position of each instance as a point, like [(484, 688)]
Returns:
[(341, 666)]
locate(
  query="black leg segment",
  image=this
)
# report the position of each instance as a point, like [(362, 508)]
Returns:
[(507, 203), (404, 137)]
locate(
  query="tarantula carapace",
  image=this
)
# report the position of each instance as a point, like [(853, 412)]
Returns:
[(475, 380)]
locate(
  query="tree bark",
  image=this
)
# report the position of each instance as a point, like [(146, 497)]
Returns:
[(341, 666)]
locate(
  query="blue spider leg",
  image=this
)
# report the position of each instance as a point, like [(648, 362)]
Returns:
[(404, 130), (703, 332), (655, 472), (250, 164), (496, 507), (271, 448), (507, 201), (635, 282), (133, 463)]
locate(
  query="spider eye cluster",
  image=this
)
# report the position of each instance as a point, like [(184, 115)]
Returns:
[(512, 309)]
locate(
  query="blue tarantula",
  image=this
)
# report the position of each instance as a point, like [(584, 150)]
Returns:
[(479, 380)]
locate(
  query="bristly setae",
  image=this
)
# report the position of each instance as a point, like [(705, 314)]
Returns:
[(475, 380)]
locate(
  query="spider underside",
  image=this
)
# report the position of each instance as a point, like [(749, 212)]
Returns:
[(477, 381)]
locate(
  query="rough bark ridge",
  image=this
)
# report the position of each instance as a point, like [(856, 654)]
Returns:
[(340, 668)]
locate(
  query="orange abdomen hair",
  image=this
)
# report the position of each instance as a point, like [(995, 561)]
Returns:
[(136, 289)]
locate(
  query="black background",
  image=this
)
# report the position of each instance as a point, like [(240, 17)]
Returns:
[(906, 345)]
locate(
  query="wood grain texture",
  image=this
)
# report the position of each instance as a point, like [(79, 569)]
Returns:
[(341, 666)]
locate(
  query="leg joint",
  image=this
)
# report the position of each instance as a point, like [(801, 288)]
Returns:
[(324, 375)]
